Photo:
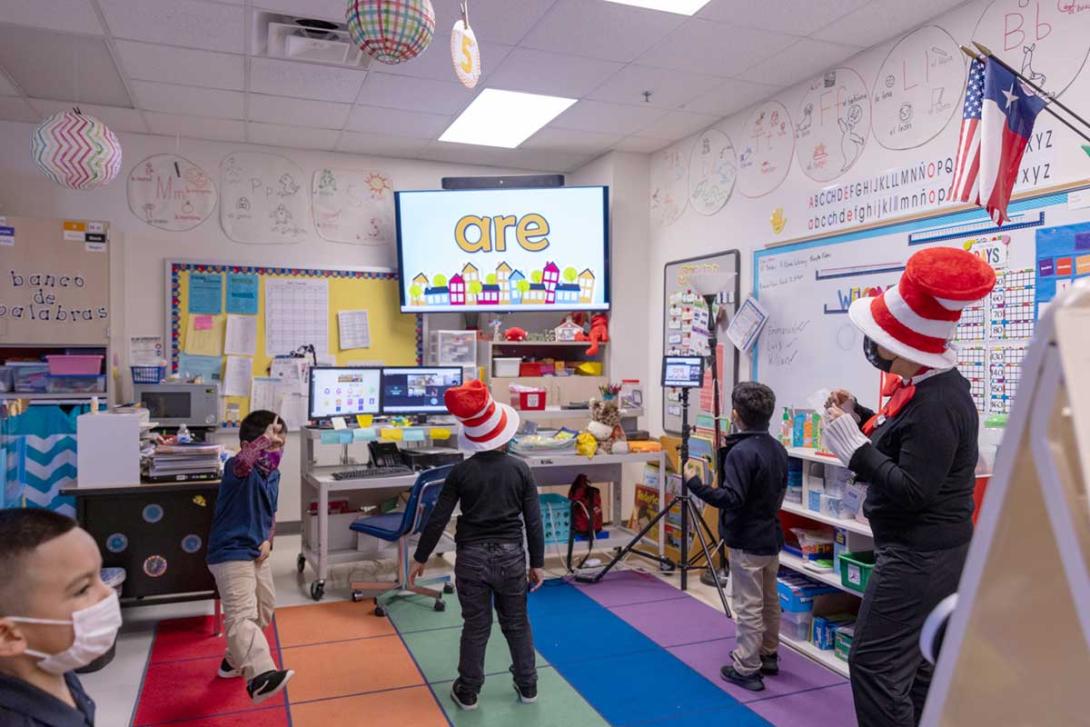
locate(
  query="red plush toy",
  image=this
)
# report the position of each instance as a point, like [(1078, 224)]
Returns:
[(514, 333), (599, 332)]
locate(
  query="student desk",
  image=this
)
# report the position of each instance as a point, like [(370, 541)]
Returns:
[(157, 532)]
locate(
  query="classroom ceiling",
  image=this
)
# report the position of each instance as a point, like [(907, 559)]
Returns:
[(196, 69)]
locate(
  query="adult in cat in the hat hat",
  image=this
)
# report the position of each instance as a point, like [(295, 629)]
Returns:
[(918, 454)]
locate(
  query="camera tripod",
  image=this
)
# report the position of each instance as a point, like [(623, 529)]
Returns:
[(690, 513)]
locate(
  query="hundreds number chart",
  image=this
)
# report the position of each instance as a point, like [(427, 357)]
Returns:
[(296, 314), (971, 363), (1012, 306), (971, 326), (1005, 372)]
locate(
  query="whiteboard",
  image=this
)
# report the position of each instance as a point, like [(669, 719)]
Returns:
[(809, 343)]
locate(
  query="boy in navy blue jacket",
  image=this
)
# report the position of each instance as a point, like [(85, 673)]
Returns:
[(753, 482), (238, 553)]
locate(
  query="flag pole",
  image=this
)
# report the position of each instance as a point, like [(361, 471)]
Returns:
[(1044, 94)]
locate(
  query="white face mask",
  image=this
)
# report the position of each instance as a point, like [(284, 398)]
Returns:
[(96, 628)]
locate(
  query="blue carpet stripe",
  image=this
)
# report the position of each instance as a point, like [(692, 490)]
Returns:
[(624, 675)]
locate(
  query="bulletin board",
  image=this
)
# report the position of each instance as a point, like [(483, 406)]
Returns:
[(809, 343), (394, 338)]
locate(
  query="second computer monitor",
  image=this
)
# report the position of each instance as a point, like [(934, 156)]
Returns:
[(344, 391), (417, 390)]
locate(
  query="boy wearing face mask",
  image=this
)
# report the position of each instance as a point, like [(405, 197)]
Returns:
[(239, 544), (56, 615)]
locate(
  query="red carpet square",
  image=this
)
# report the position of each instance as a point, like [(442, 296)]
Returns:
[(276, 717), (180, 690), (191, 638)]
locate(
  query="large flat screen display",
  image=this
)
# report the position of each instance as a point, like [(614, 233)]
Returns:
[(503, 249)]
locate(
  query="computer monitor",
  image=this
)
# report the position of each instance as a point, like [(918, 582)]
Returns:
[(417, 389), (342, 391)]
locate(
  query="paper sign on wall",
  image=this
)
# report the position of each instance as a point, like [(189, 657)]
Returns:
[(242, 294), (241, 338), (145, 350), (237, 376), (170, 192), (202, 339), (353, 329), (264, 199), (353, 207), (206, 367), (205, 293)]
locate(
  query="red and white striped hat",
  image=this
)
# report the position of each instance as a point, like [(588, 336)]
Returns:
[(918, 317), (486, 423)]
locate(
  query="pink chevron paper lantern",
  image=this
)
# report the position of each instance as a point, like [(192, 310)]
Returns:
[(76, 150)]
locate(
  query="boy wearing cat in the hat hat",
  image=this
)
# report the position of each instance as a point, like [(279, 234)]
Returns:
[(919, 456), (497, 495)]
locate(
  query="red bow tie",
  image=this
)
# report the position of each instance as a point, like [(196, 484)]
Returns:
[(897, 392)]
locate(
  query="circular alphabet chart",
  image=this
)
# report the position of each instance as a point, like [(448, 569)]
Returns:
[(918, 88), (170, 192), (713, 169), (764, 154), (1046, 40), (833, 124), (669, 185)]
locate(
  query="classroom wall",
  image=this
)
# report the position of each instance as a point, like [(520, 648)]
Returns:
[(1057, 34)]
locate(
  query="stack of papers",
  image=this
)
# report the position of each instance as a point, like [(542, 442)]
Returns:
[(183, 462)]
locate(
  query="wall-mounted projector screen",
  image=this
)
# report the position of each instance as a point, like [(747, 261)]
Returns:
[(503, 249)]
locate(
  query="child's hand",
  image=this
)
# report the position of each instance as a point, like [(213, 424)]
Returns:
[(275, 433), (536, 577), (416, 571), (265, 549)]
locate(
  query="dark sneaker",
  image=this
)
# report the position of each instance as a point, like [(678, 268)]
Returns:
[(527, 695), (226, 671), (464, 698), (770, 664), (268, 685), (752, 682)]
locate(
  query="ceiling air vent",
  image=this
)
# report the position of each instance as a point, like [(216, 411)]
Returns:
[(311, 40)]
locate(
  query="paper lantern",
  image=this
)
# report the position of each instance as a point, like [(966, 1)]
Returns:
[(391, 31), (76, 150)]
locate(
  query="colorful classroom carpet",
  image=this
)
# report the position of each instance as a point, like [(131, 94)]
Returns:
[(630, 650)]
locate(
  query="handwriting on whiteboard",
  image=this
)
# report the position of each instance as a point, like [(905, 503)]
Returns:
[(781, 343), (782, 270)]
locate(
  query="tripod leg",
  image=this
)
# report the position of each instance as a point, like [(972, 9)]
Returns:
[(708, 556), (636, 541)]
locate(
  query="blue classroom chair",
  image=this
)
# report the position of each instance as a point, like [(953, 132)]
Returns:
[(400, 526)]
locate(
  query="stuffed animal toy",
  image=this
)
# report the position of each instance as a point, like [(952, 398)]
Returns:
[(599, 332), (514, 333), (605, 423), (585, 444)]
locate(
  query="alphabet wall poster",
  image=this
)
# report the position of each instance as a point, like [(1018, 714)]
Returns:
[(713, 169), (170, 192), (353, 207), (669, 185), (765, 149), (833, 124), (264, 199)]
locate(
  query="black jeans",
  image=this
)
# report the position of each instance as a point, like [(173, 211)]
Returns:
[(890, 677), (488, 573)]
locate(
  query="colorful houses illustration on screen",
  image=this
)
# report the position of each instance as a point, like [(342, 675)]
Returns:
[(551, 285)]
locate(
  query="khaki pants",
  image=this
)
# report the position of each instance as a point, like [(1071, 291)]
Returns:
[(246, 589), (756, 608)]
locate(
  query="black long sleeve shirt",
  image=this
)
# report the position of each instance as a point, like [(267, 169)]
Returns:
[(922, 467), (497, 495)]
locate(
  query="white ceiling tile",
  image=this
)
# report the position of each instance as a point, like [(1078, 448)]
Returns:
[(669, 89), (69, 16), (533, 160), (678, 125), (397, 122), (733, 95), (61, 66), (800, 62), (118, 119), (642, 144), (148, 62), (571, 140), (295, 137), (548, 160), (322, 9), (380, 144), (304, 80), (435, 62), (554, 74), (298, 112), (607, 118), (189, 100), (497, 21), (188, 23), (701, 46), (16, 109), (880, 20), (797, 17), (600, 29), (415, 94), (195, 127), (7, 88)]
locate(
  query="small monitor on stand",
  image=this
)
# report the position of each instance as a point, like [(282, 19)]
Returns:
[(683, 372)]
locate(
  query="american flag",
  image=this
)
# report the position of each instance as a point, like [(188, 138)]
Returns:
[(967, 167)]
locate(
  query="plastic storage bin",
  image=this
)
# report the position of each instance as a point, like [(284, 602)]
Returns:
[(555, 517), (506, 366), (527, 398), (76, 384), (797, 592), (796, 624), (30, 378), (844, 637), (74, 365), (148, 374), (855, 570)]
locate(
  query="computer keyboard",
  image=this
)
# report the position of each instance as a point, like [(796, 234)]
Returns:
[(364, 473)]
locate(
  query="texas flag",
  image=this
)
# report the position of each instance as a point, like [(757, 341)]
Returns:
[(1006, 123)]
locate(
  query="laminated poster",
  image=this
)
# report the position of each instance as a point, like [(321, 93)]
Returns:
[(352, 207), (264, 199), (170, 192)]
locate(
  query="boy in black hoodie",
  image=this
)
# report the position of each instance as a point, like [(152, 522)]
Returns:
[(753, 481)]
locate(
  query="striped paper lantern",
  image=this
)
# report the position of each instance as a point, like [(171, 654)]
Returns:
[(391, 31), (76, 150)]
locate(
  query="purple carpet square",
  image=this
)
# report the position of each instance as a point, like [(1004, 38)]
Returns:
[(677, 622), (627, 588), (828, 707), (797, 673)]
